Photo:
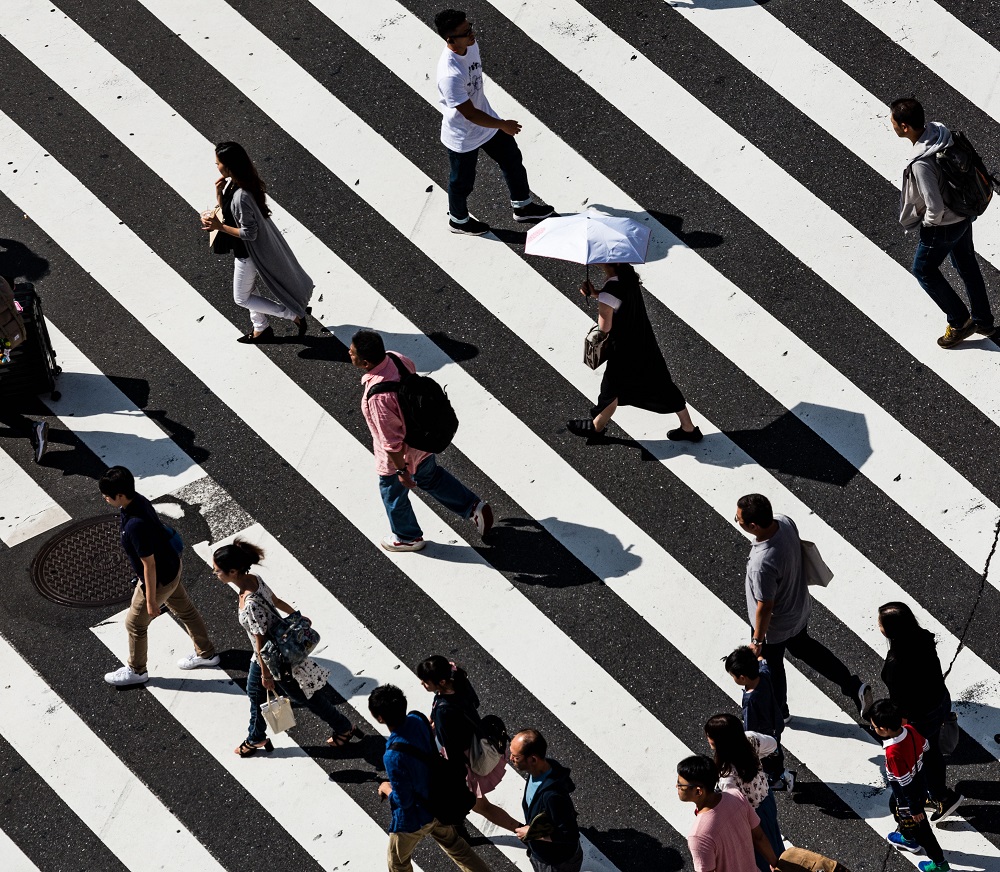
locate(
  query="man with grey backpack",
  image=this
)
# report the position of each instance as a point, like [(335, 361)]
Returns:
[(945, 187)]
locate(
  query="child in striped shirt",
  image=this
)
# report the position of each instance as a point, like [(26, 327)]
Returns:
[(904, 759)]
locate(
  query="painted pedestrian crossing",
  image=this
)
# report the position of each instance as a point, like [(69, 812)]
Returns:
[(465, 586)]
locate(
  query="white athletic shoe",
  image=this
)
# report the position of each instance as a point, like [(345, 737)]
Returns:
[(193, 661), (391, 543), (125, 677), (482, 517)]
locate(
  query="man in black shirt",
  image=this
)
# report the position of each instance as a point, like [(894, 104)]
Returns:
[(158, 574)]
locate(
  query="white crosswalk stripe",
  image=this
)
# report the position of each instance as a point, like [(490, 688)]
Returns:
[(659, 591)]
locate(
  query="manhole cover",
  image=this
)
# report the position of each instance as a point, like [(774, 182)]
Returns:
[(84, 565)]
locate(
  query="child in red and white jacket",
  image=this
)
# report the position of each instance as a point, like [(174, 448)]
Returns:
[(904, 757)]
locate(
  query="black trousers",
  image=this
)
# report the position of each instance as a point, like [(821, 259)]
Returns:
[(815, 654)]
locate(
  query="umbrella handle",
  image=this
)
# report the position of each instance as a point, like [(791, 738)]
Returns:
[(587, 304)]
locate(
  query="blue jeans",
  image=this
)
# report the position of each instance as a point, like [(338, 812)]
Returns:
[(432, 479), (502, 148), (321, 704), (767, 811), (954, 241)]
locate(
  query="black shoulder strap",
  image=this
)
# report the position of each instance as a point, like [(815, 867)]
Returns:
[(390, 387)]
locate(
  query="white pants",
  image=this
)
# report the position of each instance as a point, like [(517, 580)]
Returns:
[(244, 274)]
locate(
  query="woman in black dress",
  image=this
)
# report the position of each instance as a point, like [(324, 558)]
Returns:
[(636, 373), (912, 674)]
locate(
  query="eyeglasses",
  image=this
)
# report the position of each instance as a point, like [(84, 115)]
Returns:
[(685, 786), (458, 36)]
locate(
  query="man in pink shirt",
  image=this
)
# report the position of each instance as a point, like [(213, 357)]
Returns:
[(400, 467), (726, 829)]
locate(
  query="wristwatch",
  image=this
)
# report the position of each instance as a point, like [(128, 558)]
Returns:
[(756, 641)]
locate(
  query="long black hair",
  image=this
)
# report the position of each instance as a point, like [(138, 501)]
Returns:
[(241, 555), (438, 668), (733, 751), (902, 629), (234, 158)]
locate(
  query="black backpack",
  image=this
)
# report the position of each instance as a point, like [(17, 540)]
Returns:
[(428, 417), (449, 799), (966, 185)]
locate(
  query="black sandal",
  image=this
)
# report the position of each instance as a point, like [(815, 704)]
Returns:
[(302, 323), (265, 335), (340, 740), (248, 750), (584, 427)]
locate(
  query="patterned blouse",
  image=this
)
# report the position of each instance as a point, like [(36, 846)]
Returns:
[(256, 618), (756, 789)]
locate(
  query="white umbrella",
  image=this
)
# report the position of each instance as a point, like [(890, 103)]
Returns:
[(589, 237)]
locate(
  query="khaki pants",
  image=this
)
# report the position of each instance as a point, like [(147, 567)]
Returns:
[(176, 597), (402, 846)]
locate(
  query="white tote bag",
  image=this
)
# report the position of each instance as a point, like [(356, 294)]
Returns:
[(278, 713), (814, 567)]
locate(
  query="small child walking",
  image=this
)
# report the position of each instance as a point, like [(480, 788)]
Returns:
[(904, 760), (761, 711)]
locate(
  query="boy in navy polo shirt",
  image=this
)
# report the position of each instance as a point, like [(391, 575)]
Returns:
[(158, 580)]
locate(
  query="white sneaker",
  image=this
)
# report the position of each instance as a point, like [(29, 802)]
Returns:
[(126, 676), (391, 543), (482, 517), (193, 661)]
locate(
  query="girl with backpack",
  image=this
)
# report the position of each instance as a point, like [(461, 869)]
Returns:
[(457, 724), (738, 755)]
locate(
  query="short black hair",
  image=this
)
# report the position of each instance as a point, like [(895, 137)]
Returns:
[(700, 771), (447, 20), (117, 480), (756, 509), (389, 703), (884, 713), (369, 346), (744, 662), (907, 110), (534, 743)]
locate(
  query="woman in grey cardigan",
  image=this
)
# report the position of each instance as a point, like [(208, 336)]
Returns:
[(258, 246)]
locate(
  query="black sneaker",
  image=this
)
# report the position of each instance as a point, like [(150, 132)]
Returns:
[(533, 212), (469, 227), (947, 806), (39, 438), (986, 330)]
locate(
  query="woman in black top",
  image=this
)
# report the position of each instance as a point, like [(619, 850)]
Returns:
[(455, 718), (636, 373), (912, 674)]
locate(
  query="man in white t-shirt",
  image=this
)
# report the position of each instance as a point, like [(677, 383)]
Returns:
[(470, 124)]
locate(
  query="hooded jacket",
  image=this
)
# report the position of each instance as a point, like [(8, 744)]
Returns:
[(552, 797), (920, 197)]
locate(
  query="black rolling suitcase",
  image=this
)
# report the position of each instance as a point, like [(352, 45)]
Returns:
[(32, 368)]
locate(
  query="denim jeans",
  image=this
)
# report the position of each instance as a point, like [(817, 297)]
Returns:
[(573, 864), (815, 654), (432, 479), (767, 811), (321, 704), (502, 148), (929, 726), (954, 241)]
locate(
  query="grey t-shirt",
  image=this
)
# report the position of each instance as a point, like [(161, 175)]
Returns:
[(774, 572)]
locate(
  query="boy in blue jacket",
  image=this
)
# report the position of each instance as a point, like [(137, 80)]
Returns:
[(409, 786)]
